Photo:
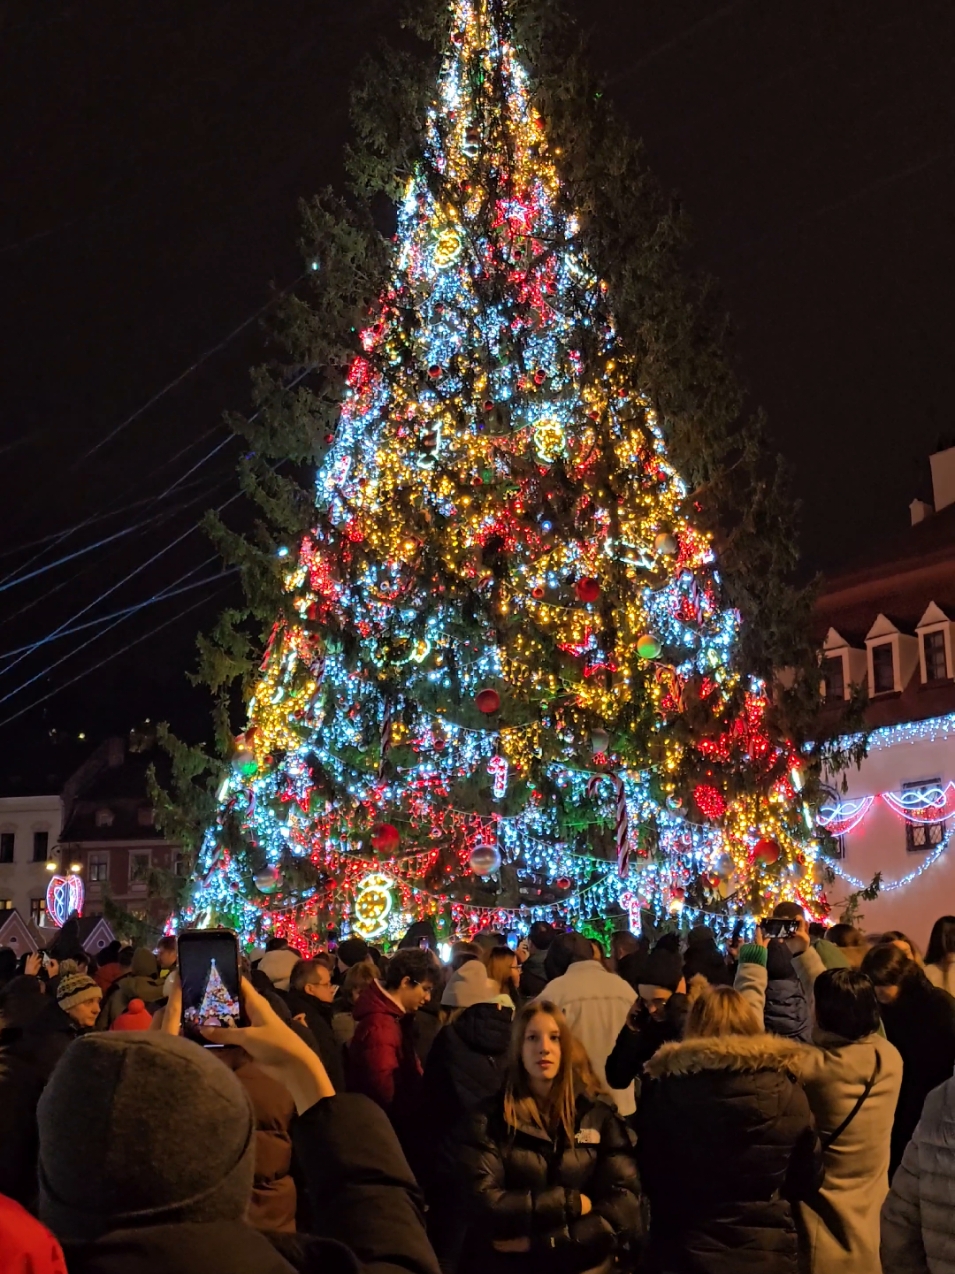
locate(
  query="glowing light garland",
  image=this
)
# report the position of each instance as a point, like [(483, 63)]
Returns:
[(501, 575), (887, 887)]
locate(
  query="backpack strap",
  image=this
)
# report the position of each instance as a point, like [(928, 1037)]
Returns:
[(834, 1136)]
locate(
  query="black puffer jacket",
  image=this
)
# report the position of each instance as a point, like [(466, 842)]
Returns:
[(465, 1067), (522, 1183), (725, 1140)]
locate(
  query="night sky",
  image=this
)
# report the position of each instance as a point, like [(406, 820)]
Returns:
[(153, 156)]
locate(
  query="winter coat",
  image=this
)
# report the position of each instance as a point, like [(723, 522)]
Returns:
[(426, 1024), (787, 1005), (840, 1224), (918, 1217), (704, 959), (464, 1068), (382, 1062), (523, 1183), (921, 1024), (22, 1000), (27, 1058), (595, 1003), (725, 1144), (274, 1197), (642, 1036), (318, 1019), (107, 974), (533, 975), (365, 1205)]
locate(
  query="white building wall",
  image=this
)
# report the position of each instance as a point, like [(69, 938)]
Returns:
[(898, 755), (24, 880)]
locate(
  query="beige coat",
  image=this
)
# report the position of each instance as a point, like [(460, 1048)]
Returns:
[(840, 1226)]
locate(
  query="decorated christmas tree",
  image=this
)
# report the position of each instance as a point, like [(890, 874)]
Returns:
[(506, 683), (217, 1007)]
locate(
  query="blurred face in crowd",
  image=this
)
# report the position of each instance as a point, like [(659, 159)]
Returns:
[(886, 994), (85, 1014), (321, 986), (166, 957), (412, 995), (654, 998), (540, 1052)]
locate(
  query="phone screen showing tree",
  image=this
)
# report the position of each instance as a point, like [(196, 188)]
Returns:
[(209, 972)]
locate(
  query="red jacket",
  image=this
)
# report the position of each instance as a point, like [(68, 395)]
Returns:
[(382, 1062)]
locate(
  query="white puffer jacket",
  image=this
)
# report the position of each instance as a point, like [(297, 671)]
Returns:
[(918, 1217)]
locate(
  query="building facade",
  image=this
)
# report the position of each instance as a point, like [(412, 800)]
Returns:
[(110, 830), (29, 839), (888, 625)]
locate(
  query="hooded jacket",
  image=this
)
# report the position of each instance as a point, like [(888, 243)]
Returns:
[(523, 1183), (725, 1143), (382, 1062), (918, 1217), (533, 975), (595, 1003)]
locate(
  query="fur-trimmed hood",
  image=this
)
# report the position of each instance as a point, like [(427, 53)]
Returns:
[(737, 1053)]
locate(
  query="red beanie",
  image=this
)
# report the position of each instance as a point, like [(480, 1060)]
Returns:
[(136, 1018)]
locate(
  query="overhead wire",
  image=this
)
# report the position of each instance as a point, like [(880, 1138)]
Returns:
[(122, 651), (162, 596)]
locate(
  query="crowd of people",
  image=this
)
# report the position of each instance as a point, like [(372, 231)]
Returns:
[(773, 1106)]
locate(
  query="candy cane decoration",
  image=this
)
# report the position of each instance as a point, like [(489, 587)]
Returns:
[(385, 737), (633, 904), (498, 767), (622, 820)]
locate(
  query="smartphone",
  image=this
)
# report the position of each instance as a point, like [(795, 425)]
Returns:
[(778, 928), (424, 944), (513, 941), (209, 974)]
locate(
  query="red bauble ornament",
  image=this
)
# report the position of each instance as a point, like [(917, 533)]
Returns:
[(537, 593), (539, 377), (587, 589), (487, 701), (312, 611), (385, 838), (563, 882), (436, 371), (766, 851)]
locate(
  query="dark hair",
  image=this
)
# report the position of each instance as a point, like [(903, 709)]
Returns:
[(817, 931), (889, 966), (303, 974), (412, 963), (542, 934), (125, 957), (166, 943), (276, 944), (845, 936), (788, 911), (462, 952), (565, 950), (942, 941), (846, 1003)]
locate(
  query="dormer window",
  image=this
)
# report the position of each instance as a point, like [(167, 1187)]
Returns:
[(834, 677), (104, 818), (883, 668), (935, 645), (893, 657), (936, 663)]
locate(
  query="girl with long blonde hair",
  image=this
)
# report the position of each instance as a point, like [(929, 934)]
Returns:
[(548, 1163)]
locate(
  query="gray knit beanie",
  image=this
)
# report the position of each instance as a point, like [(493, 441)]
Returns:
[(142, 1129)]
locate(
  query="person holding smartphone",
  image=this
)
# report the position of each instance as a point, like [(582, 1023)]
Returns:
[(147, 1146), (657, 1017)]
